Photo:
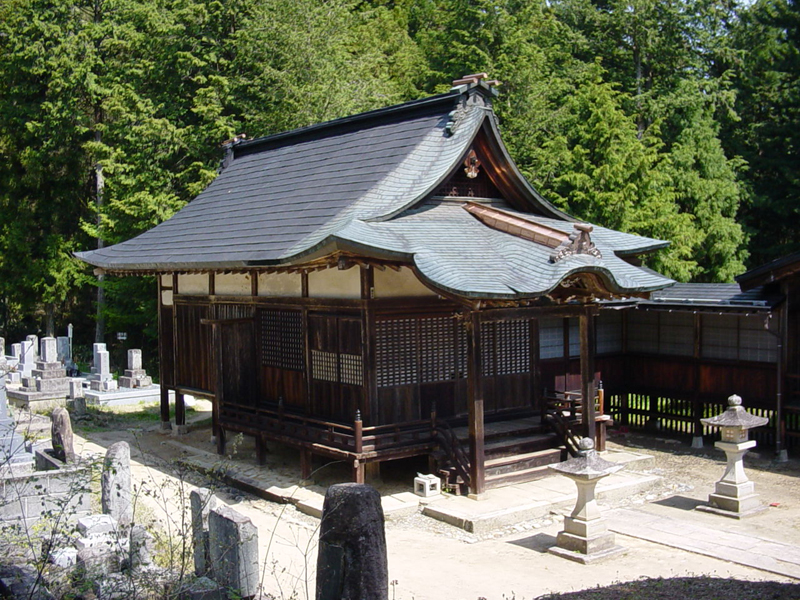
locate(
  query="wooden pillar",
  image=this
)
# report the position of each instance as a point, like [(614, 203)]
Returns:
[(781, 369), (697, 406), (305, 464), (587, 372), (358, 471), (165, 420), (216, 359), (477, 473), (180, 413)]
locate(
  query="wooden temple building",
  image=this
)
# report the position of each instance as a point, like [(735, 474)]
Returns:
[(389, 285)]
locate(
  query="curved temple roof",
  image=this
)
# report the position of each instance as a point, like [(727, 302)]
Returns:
[(364, 184)]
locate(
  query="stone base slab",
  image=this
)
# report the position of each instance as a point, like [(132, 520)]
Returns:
[(125, 396), (587, 559), (732, 514)]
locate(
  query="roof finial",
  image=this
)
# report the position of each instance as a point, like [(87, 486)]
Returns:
[(475, 78)]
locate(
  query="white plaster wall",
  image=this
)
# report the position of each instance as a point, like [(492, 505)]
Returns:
[(333, 283), (280, 284), (166, 297), (166, 280), (232, 284), (194, 284), (394, 284)]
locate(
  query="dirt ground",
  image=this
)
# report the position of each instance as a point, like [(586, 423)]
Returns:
[(431, 560)]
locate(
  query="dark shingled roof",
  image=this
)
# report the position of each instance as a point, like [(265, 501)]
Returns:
[(364, 184), (714, 295)]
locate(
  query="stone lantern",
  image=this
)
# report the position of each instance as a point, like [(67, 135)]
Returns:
[(586, 538), (734, 494)]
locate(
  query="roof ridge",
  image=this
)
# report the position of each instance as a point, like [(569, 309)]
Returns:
[(241, 147)]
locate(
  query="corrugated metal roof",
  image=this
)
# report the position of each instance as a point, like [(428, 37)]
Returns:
[(719, 295)]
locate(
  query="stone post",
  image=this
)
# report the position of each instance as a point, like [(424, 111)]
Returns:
[(116, 484), (586, 538), (233, 544), (61, 435), (203, 502), (352, 563)]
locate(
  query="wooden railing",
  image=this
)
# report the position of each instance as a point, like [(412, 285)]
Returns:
[(353, 438)]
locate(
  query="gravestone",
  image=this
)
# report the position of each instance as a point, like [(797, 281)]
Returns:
[(352, 560), (233, 543), (101, 379), (16, 351), (135, 376), (61, 434), (45, 384), (202, 502), (142, 547), (34, 341), (27, 359), (116, 484), (2, 346)]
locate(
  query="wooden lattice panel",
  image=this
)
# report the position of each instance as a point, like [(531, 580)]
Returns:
[(506, 347), (397, 343), (223, 312), (513, 347), (282, 343), (324, 366), (352, 369), (437, 350)]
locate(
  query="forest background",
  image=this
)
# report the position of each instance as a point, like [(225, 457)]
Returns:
[(675, 119)]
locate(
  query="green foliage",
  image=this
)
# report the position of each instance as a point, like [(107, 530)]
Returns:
[(674, 119)]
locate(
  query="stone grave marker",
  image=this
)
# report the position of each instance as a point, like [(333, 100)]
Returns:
[(116, 484), (233, 543), (61, 434)]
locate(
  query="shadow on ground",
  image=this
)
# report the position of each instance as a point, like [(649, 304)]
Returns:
[(684, 588), (539, 542)]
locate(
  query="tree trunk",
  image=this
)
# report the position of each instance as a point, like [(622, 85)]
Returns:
[(100, 182)]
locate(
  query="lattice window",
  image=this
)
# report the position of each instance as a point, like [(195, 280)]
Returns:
[(720, 337), (437, 351), (325, 366), (676, 334), (643, 331), (574, 337), (609, 332), (282, 343), (551, 338), (755, 342), (352, 369), (730, 337), (411, 351), (513, 347), (231, 311), (396, 349)]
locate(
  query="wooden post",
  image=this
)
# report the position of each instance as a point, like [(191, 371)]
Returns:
[(587, 373), (305, 464), (697, 410), (358, 433), (477, 474), (358, 471), (261, 450), (165, 420), (180, 413)]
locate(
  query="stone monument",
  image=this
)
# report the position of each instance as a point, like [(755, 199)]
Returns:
[(135, 376), (734, 494), (116, 484), (586, 538), (47, 385), (101, 379)]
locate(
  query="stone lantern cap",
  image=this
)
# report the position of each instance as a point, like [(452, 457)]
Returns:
[(588, 465), (735, 416)]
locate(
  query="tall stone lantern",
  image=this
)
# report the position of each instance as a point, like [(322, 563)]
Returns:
[(734, 494), (586, 538)]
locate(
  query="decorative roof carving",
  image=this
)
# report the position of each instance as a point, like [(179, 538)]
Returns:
[(472, 164), (578, 242)]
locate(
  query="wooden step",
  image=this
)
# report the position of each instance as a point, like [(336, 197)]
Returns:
[(522, 462), (510, 446)]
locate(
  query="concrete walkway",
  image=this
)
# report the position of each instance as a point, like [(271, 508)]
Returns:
[(713, 539)]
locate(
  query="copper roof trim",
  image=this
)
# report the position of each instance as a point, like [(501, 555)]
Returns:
[(513, 225)]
